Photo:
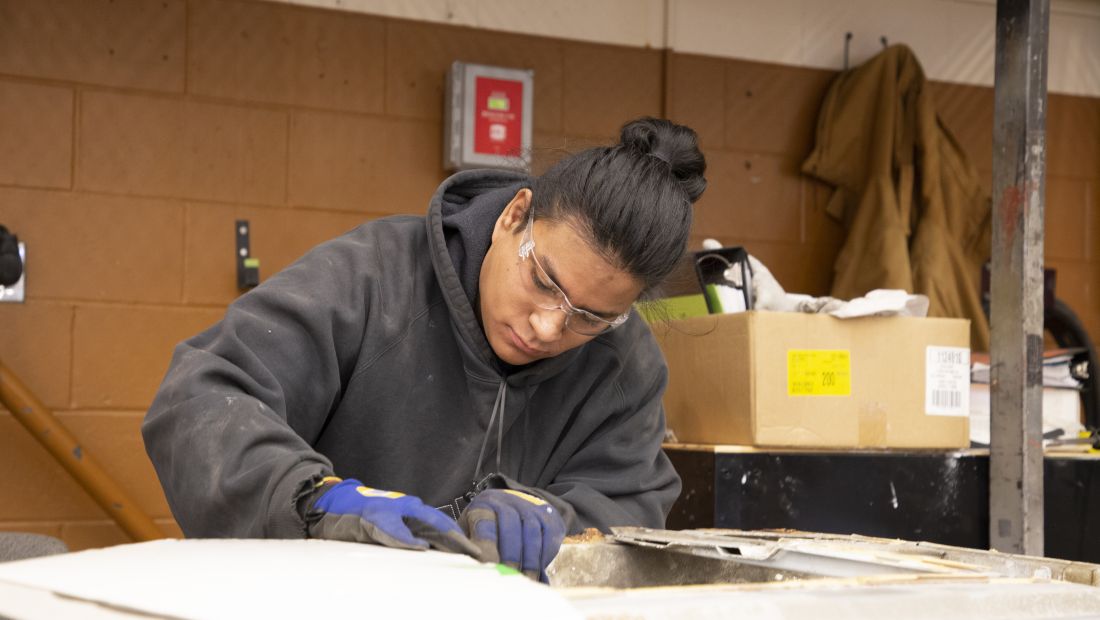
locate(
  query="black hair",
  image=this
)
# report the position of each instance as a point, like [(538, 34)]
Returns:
[(632, 201)]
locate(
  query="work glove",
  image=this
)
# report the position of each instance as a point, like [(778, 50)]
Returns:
[(515, 529), (349, 511)]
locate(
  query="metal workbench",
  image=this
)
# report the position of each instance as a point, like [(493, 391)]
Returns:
[(935, 496)]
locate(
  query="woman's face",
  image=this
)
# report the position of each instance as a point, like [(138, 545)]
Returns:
[(517, 328)]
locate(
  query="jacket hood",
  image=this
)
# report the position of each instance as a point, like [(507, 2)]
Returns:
[(460, 223)]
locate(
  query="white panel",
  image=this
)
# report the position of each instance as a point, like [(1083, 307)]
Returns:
[(1088, 8), (439, 11), (954, 39), (619, 22), (658, 23), (1074, 55), (637, 23), (765, 30), (825, 24), (966, 49)]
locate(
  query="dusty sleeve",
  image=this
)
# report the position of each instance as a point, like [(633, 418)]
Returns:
[(230, 429)]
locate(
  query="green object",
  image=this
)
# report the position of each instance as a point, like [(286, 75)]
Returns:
[(252, 262), (712, 299), (507, 570), (673, 308)]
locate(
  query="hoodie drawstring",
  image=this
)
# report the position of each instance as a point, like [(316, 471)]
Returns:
[(498, 407)]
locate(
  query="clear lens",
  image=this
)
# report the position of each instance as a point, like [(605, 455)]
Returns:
[(548, 296), (586, 326), (545, 292)]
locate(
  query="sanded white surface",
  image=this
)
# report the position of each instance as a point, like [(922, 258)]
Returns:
[(276, 579), (1004, 599), (19, 602), (954, 39)]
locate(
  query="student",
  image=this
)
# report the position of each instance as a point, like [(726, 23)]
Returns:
[(484, 360)]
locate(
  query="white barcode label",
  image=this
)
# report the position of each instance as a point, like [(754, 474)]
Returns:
[(947, 381), (946, 399)]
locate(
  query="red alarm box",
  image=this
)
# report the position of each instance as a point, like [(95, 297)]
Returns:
[(487, 120)]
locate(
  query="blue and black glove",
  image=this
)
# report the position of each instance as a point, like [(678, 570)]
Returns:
[(349, 511), (515, 529)]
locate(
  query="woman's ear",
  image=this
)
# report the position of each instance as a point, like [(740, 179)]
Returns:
[(514, 216)]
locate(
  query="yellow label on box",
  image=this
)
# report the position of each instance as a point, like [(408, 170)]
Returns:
[(819, 372)]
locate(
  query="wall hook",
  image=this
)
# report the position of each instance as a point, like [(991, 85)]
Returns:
[(847, 41)]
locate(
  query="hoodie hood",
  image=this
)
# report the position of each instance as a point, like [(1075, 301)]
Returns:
[(460, 223), (470, 210)]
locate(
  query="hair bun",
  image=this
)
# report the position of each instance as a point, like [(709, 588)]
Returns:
[(676, 145)]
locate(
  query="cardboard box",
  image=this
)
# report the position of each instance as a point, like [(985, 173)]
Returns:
[(782, 379)]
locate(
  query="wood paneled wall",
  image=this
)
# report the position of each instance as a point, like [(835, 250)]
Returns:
[(134, 132)]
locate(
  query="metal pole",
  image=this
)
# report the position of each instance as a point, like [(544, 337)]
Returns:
[(1019, 154), (45, 428)]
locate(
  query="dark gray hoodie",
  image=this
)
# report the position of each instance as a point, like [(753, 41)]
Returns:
[(364, 359)]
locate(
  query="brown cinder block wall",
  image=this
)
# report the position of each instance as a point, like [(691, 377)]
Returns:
[(134, 132)]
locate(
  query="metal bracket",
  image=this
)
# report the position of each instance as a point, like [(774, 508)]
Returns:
[(248, 268)]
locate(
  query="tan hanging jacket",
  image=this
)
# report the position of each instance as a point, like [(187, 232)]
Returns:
[(916, 215)]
